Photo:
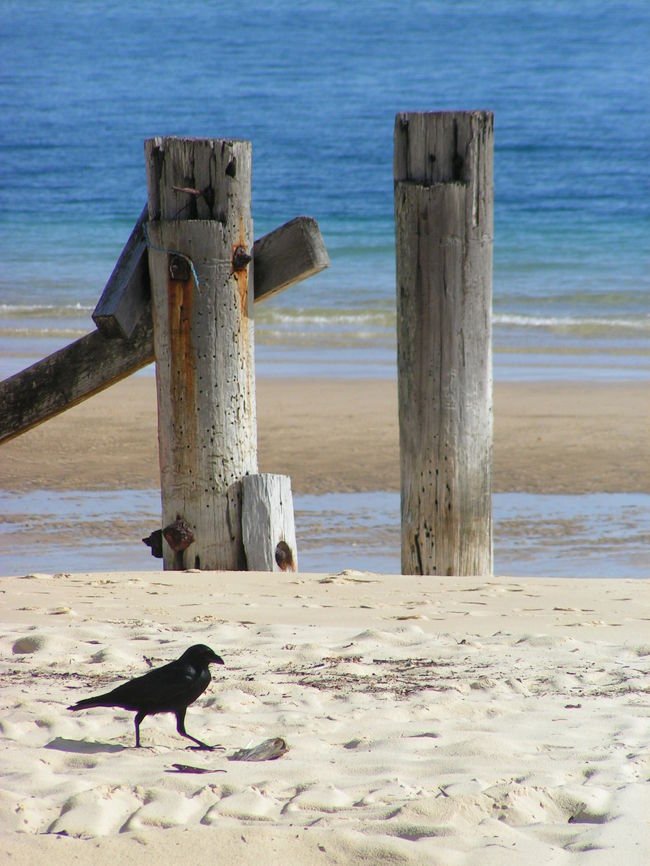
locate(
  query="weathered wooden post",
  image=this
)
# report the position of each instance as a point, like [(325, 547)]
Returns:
[(200, 243), (444, 194)]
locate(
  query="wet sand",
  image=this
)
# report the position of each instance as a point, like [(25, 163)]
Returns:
[(333, 435)]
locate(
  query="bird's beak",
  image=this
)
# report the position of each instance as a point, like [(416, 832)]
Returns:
[(217, 659)]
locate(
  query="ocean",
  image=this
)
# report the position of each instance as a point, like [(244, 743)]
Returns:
[(315, 87)]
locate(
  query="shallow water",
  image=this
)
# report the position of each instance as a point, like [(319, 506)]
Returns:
[(586, 535), (380, 362)]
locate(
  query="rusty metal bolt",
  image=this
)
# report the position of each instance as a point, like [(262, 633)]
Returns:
[(179, 268), (240, 259), (178, 535)]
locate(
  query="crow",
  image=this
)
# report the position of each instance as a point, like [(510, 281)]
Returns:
[(169, 689)]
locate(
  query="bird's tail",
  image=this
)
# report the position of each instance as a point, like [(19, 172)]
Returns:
[(98, 701)]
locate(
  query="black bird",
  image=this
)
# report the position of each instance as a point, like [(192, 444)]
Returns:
[(169, 689)]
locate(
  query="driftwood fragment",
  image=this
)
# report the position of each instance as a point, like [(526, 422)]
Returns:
[(268, 523), (269, 750)]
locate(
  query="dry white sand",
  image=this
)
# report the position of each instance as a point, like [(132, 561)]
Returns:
[(434, 721)]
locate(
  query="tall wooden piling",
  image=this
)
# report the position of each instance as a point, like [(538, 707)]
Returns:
[(200, 241), (444, 194)]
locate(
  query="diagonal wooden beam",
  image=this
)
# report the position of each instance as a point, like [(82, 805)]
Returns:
[(126, 296), (69, 376), (287, 255)]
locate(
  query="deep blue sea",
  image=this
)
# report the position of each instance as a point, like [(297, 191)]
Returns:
[(315, 86)]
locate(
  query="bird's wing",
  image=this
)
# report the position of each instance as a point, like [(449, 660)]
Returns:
[(163, 687)]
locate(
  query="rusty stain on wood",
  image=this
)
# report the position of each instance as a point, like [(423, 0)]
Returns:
[(241, 273), (180, 301), (241, 276)]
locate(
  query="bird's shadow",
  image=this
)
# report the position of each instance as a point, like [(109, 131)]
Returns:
[(61, 744)]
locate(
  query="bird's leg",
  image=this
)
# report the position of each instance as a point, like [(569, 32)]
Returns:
[(180, 727), (139, 716)]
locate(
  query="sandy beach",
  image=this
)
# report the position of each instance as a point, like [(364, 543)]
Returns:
[(342, 435), (455, 721)]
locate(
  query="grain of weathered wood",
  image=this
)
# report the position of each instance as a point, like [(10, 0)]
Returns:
[(126, 296), (203, 338), (268, 521), (444, 235), (69, 376)]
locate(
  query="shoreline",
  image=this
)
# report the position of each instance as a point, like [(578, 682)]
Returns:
[(534, 535), (332, 435)]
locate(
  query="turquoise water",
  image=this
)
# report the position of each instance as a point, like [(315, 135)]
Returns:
[(315, 87), (590, 535)]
